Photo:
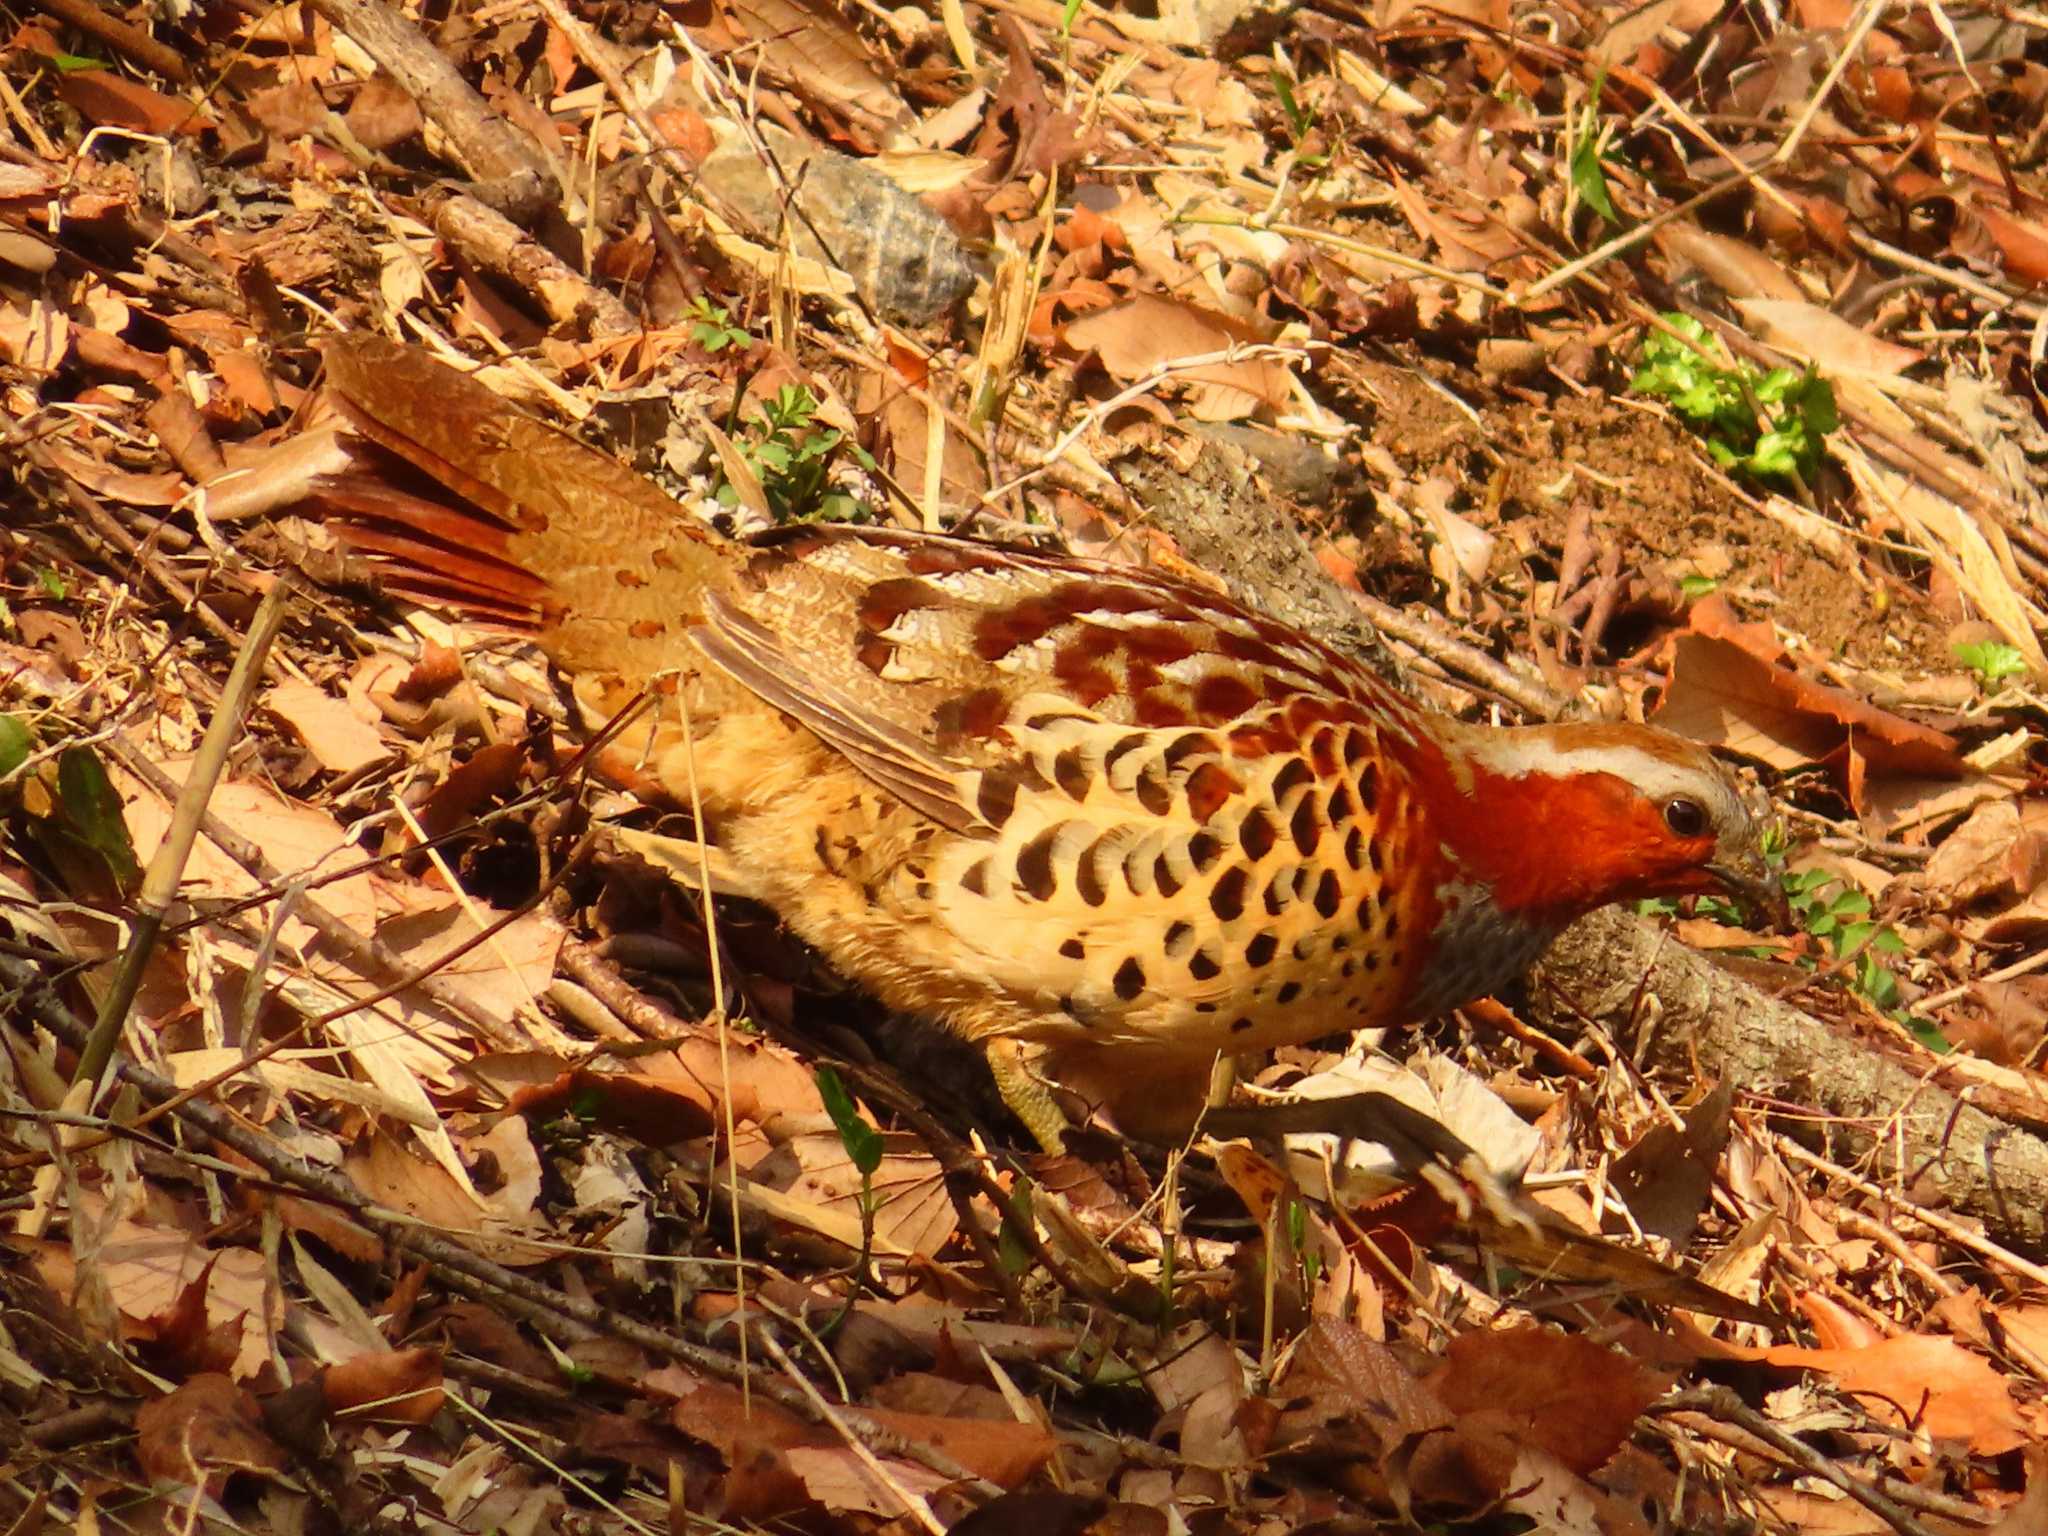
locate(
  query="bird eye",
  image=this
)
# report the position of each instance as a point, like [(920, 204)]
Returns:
[(1688, 818)]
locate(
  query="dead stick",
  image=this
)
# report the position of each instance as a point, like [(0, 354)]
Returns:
[(167, 868), (90, 16)]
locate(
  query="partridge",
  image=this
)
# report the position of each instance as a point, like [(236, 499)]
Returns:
[(1101, 822)]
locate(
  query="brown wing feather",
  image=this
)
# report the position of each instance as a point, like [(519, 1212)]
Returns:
[(752, 655)]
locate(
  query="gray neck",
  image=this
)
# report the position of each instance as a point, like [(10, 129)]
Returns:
[(1479, 949)]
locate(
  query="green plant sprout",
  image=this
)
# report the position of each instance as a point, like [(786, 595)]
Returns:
[(1300, 119), (1837, 914), (1769, 426), (1992, 661), (863, 1144), (712, 328), (793, 456), (1306, 1254), (1589, 152)]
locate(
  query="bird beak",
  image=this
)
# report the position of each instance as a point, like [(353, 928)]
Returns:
[(1754, 885)]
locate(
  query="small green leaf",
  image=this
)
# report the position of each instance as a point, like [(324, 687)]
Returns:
[(92, 811), (52, 584), (1929, 1034), (16, 743), (1589, 178), (862, 1141), (1697, 586), (1012, 1251), (1991, 660)]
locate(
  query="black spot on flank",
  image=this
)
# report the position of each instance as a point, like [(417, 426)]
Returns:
[(1203, 851), (1256, 835), (1227, 899), (1239, 1026), (975, 881), (1125, 746), (1393, 926), (1367, 913), (1341, 808), (1376, 856), (1280, 890), (1261, 949), (1306, 825), (1073, 949), (1289, 991), (1088, 876), (1164, 878), (1185, 747), (1129, 980), (1327, 894), (1350, 969), (1354, 848), (1357, 743), (1303, 948), (1339, 942), (1068, 773), (1205, 1007), (1178, 937), (1369, 788), (1067, 1007), (1154, 793), (1202, 966), (1372, 959), (1034, 865), (1293, 773), (996, 798)]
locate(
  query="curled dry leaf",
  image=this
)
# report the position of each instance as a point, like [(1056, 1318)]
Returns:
[(1729, 689)]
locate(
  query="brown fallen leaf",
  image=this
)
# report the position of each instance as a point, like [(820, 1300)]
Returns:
[(1952, 1393), (1149, 333), (204, 1431), (392, 1386)]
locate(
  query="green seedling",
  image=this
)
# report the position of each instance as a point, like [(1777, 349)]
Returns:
[(1769, 426), (712, 328), (793, 457), (1300, 119), (1838, 915), (1992, 661), (1306, 1253), (1588, 158), (863, 1144)]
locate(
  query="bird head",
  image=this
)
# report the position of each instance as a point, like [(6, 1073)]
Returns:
[(1561, 819)]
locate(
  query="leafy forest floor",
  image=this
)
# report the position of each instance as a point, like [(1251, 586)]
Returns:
[(1681, 362)]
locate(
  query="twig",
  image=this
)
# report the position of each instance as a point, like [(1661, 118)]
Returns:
[(167, 868), (90, 16), (1722, 1403)]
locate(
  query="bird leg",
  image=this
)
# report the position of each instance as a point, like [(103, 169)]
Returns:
[(1026, 1094)]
